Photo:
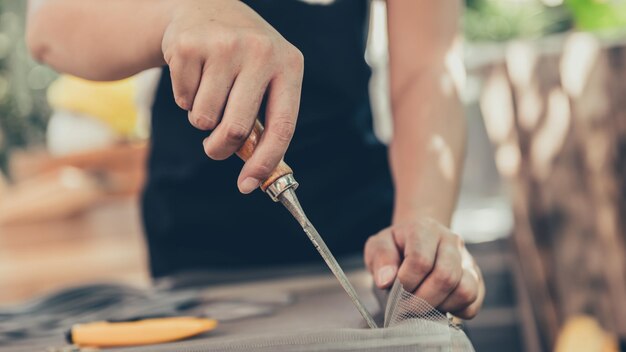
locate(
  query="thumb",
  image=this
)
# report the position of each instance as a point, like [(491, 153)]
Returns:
[(382, 258)]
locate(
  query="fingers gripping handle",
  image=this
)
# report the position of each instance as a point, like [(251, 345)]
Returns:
[(246, 150)]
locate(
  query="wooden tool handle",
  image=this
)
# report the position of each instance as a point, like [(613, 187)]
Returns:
[(246, 150)]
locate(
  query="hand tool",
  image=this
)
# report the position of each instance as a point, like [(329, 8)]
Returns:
[(281, 186), (104, 334)]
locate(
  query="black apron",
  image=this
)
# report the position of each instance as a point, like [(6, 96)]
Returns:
[(194, 216)]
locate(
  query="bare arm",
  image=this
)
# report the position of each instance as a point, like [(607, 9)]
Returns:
[(426, 156), (428, 146), (99, 40), (223, 59)]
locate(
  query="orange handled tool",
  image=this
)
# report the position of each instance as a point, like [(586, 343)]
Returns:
[(281, 171), (105, 334)]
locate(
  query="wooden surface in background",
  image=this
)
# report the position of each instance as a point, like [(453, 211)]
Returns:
[(104, 243)]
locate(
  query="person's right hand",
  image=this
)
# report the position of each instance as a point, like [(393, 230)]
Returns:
[(224, 59)]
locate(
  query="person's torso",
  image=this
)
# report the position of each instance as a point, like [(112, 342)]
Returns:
[(191, 201)]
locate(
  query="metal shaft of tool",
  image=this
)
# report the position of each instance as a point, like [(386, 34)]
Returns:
[(290, 201)]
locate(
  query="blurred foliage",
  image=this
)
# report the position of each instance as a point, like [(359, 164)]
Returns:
[(23, 83), (501, 20), (598, 15)]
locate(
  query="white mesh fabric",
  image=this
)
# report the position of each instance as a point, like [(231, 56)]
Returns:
[(406, 309)]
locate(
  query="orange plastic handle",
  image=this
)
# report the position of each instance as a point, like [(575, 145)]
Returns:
[(105, 334)]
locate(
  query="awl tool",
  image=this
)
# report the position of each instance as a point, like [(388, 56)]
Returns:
[(281, 186)]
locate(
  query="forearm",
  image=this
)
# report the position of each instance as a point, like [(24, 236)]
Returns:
[(426, 156), (96, 39), (427, 149), (429, 131)]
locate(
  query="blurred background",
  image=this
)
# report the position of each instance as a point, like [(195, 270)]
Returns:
[(543, 198)]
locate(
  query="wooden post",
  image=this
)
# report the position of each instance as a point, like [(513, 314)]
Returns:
[(557, 116)]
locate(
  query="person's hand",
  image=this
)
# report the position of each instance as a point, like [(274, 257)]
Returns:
[(431, 262), (224, 59)]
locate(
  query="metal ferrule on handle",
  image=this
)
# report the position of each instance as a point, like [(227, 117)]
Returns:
[(283, 183)]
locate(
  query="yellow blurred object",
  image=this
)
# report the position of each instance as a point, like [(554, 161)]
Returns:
[(110, 102), (584, 334)]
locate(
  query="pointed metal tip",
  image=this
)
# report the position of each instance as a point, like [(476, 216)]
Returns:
[(289, 199)]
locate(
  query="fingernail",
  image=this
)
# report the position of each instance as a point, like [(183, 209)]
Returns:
[(249, 184), (182, 103), (385, 275)]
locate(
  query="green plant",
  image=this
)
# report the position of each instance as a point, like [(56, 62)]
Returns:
[(23, 83), (501, 20), (598, 14)]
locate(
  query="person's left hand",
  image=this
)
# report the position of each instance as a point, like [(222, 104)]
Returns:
[(431, 262)]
